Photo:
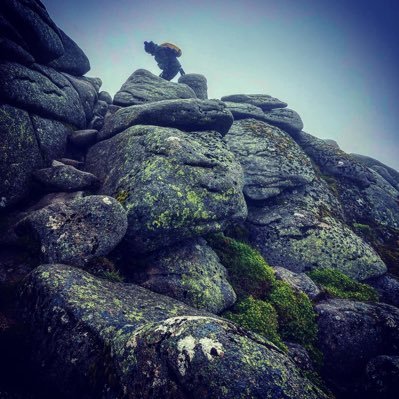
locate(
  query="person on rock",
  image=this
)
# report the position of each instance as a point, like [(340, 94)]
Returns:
[(166, 57)]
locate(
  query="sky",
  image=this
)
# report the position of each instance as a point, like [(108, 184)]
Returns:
[(335, 62)]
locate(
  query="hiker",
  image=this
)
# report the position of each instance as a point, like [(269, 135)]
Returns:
[(166, 57)]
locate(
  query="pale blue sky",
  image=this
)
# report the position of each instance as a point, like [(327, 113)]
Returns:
[(334, 62)]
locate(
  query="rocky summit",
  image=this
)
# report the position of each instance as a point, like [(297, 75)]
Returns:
[(163, 244)]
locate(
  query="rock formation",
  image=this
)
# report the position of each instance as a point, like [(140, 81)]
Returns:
[(133, 227)]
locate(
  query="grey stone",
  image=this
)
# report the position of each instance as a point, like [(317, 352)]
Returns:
[(387, 287), (77, 231), (190, 272), (286, 119), (197, 82), (73, 61), (332, 143), (65, 178), (95, 82), (41, 90), (72, 162), (77, 320), (97, 123), (10, 51), (35, 27), (263, 101), (383, 377), (100, 108), (105, 96), (351, 334), (271, 160), (298, 281), (245, 111), (187, 115), (83, 138), (174, 185), (142, 86)]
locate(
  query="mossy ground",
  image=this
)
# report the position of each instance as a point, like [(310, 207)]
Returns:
[(338, 285), (261, 297)]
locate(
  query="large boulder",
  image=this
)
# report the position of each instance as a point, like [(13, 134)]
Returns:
[(100, 339), (142, 86), (286, 119), (190, 272), (75, 232), (41, 90), (188, 115), (271, 160), (245, 111), (197, 82), (174, 185), (263, 101), (351, 334)]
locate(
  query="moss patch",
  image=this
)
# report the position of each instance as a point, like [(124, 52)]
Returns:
[(338, 285), (258, 292)]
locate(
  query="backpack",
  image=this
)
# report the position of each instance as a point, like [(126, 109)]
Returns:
[(176, 51)]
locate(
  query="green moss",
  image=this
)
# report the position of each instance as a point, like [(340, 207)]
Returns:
[(339, 285), (113, 276), (122, 196), (257, 316), (252, 277)]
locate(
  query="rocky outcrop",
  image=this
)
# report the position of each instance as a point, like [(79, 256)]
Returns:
[(286, 119), (142, 86), (76, 231), (190, 272), (97, 338), (174, 185), (197, 82), (353, 333), (245, 111), (187, 115), (387, 287), (263, 101)]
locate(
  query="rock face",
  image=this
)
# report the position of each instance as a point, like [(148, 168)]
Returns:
[(80, 322), (263, 101), (174, 185), (74, 232), (197, 82), (43, 94), (352, 333), (187, 115), (190, 272), (142, 87)]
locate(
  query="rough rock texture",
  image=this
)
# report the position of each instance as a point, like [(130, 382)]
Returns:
[(245, 111), (299, 281), (333, 161), (383, 377), (74, 232), (286, 119), (42, 90), (105, 96), (65, 178), (387, 287), (187, 115), (197, 82), (174, 185), (352, 333), (271, 160), (190, 272), (263, 101), (104, 339), (142, 86), (83, 138)]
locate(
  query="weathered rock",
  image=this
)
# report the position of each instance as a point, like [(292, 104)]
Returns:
[(35, 27), (174, 185), (65, 178), (72, 162), (41, 90), (190, 272), (300, 356), (298, 281), (142, 87), (83, 138), (245, 111), (188, 115), (100, 108), (147, 345), (383, 377), (95, 82), (74, 232), (387, 287), (333, 161), (96, 123), (286, 119), (105, 96), (197, 82), (263, 101), (19, 154), (73, 60), (10, 51), (352, 333), (333, 143), (271, 160)]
